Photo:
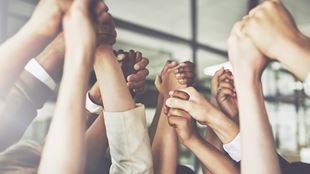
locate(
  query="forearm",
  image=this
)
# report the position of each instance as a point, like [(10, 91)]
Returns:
[(111, 82), (296, 58), (212, 139), (153, 128), (97, 144), (15, 53), (258, 149), (214, 160), (68, 125), (164, 147), (52, 57)]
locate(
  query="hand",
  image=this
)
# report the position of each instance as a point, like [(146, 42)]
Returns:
[(197, 106), (78, 27), (185, 73), (226, 95), (183, 123), (271, 27), (47, 16), (134, 68), (167, 81), (245, 58), (105, 31)]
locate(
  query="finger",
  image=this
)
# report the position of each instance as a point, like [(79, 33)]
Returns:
[(185, 75), (178, 113), (179, 94), (170, 64), (219, 72), (187, 64), (140, 75), (132, 56), (141, 64), (186, 81), (184, 69), (236, 31), (103, 17), (166, 110), (175, 121), (225, 84), (225, 76), (101, 7), (226, 92), (121, 57), (135, 85), (138, 90), (178, 104), (214, 80), (138, 56)]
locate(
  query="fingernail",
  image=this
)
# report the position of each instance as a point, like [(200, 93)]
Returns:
[(178, 75), (171, 93)]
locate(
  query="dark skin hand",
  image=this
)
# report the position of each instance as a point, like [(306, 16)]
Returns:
[(135, 72), (226, 95)]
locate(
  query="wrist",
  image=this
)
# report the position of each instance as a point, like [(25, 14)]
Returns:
[(298, 44), (193, 142)]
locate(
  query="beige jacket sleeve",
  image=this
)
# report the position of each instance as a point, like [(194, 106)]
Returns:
[(129, 142)]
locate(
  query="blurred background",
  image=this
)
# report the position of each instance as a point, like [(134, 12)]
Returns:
[(194, 30)]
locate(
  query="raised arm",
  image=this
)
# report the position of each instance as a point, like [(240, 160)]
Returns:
[(64, 151), (34, 86), (96, 137), (30, 40), (258, 148)]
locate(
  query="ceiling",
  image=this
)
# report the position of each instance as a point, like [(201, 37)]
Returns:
[(215, 20)]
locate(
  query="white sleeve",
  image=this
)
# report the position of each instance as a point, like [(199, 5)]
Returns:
[(234, 148), (129, 142), (91, 106), (307, 85), (34, 68)]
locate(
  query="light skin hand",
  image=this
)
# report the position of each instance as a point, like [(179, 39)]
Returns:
[(183, 123), (204, 112), (271, 20), (49, 14), (253, 60), (198, 107), (278, 28)]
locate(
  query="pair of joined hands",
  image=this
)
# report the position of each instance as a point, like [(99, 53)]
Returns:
[(185, 106), (86, 24), (268, 31)]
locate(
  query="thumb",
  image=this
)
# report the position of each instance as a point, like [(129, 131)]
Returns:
[(179, 104)]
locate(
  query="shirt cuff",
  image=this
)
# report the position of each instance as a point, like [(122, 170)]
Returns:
[(129, 141), (91, 106), (34, 68), (233, 148), (307, 85)]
